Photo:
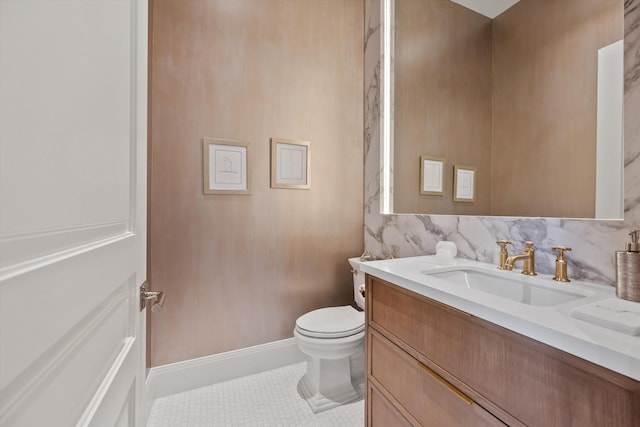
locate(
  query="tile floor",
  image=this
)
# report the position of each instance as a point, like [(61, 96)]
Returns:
[(266, 399)]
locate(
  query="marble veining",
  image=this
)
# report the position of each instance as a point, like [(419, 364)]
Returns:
[(632, 41), (618, 310), (594, 242)]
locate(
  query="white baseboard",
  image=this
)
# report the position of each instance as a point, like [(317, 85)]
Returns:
[(190, 374)]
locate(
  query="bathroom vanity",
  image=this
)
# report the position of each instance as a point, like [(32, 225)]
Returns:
[(443, 354)]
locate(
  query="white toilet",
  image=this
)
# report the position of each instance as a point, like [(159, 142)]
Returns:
[(333, 340)]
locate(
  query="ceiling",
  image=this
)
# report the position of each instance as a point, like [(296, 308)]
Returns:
[(488, 8)]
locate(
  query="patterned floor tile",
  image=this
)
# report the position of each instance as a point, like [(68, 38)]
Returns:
[(268, 399)]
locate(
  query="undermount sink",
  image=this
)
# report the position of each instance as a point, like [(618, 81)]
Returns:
[(514, 288)]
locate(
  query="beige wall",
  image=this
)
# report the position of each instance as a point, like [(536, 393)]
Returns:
[(544, 122), (442, 102), (239, 269)]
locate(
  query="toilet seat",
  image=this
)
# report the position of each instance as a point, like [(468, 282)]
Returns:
[(331, 322)]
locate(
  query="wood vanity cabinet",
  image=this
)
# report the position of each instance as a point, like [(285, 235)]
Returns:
[(433, 365)]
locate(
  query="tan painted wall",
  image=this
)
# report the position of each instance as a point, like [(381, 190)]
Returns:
[(239, 269), (441, 45), (544, 130)]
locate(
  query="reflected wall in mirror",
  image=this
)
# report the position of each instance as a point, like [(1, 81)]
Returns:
[(516, 97)]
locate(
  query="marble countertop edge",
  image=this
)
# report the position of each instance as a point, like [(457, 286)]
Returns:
[(550, 325)]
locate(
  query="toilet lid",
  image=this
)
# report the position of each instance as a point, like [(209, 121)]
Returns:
[(331, 322)]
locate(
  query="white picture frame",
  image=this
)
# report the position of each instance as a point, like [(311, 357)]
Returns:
[(431, 175), (225, 166), (464, 184), (290, 164)]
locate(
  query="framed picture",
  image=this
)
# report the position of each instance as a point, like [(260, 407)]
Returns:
[(431, 175), (464, 184), (226, 166), (290, 164)]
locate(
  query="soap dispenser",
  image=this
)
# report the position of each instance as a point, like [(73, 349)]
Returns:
[(628, 270)]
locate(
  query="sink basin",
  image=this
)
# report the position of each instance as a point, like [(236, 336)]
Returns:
[(519, 289)]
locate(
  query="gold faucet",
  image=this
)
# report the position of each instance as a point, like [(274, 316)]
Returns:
[(561, 264), (528, 256), (504, 254)]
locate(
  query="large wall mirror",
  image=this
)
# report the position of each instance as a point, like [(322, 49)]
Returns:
[(530, 100)]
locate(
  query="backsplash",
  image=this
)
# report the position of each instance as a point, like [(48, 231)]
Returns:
[(594, 242)]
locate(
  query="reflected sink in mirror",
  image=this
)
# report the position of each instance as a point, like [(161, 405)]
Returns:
[(515, 288)]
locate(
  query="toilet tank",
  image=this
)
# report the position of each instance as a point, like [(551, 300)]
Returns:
[(358, 281)]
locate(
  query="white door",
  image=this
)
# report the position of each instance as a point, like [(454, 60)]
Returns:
[(73, 96)]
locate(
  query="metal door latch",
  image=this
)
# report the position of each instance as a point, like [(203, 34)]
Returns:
[(157, 297)]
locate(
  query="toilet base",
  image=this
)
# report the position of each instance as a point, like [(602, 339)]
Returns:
[(331, 389)]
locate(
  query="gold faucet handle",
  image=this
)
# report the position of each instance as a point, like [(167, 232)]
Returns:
[(503, 253), (561, 264), (503, 243), (561, 250)]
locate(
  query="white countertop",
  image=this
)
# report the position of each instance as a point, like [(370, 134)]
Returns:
[(551, 325)]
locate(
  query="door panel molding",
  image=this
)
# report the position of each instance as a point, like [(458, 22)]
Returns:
[(20, 250), (110, 325), (71, 76)]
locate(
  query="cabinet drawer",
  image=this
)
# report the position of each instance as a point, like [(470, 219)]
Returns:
[(381, 412), (517, 378), (424, 395), (424, 325)]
